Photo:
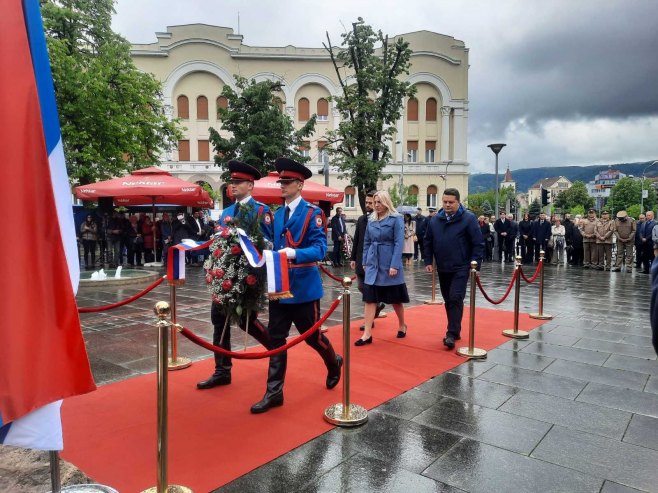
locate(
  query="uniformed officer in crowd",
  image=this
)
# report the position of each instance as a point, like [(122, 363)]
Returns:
[(300, 232), (604, 230), (244, 212), (625, 232), (588, 229)]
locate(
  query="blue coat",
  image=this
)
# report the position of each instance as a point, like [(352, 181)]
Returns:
[(306, 233), (382, 250), (256, 209), (453, 244)]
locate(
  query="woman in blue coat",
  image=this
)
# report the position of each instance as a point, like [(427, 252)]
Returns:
[(382, 262)]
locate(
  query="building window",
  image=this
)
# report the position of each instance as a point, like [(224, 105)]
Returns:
[(183, 150), (431, 196), (412, 151), (323, 110), (183, 107), (350, 193), (204, 150), (305, 149), (413, 190), (221, 102), (303, 110), (323, 155), (430, 110), (430, 149), (202, 108), (412, 110)]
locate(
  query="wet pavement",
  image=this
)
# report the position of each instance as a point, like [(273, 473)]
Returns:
[(572, 409)]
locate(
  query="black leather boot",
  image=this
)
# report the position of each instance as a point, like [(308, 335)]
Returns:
[(275, 377), (223, 364), (215, 380), (334, 363)]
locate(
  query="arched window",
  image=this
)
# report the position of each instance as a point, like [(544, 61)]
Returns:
[(323, 110), (323, 155), (221, 102), (183, 107), (303, 110), (412, 110), (413, 190), (430, 110), (431, 196), (430, 151), (350, 193), (202, 108)]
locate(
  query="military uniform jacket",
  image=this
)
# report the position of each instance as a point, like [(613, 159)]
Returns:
[(625, 230), (306, 233), (254, 211), (604, 230), (588, 228)]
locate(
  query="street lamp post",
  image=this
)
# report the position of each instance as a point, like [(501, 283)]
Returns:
[(496, 148), (642, 187)]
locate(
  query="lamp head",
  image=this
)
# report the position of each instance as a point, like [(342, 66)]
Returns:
[(496, 148)]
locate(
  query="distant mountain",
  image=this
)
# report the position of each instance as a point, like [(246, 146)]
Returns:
[(525, 178)]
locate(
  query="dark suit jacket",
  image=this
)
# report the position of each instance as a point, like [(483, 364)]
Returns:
[(338, 228), (502, 227), (541, 232), (357, 244)]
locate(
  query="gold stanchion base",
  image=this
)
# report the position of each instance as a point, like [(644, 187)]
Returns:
[(172, 488), (519, 334), (180, 363), (475, 354), (433, 302), (356, 415), (541, 316)]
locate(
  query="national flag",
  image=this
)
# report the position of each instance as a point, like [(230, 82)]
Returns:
[(176, 258), (42, 353), (276, 264)]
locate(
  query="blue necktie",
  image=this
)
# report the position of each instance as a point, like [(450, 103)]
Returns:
[(286, 215)]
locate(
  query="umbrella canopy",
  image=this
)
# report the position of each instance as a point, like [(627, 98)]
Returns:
[(147, 186), (267, 190), (406, 209)]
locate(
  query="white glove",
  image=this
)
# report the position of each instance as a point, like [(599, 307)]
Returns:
[(291, 253)]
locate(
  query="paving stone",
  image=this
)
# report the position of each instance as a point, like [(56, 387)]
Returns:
[(634, 401), (535, 381), (478, 467), (571, 414), (553, 338), (409, 404), (610, 487), (589, 333), (520, 359), (652, 385), (599, 374), (504, 430), (468, 389), (515, 344), (473, 368), (600, 457), (618, 348), (638, 340), (566, 353), (643, 431), (631, 363)]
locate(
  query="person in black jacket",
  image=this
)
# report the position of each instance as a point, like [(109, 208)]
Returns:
[(453, 239), (577, 252), (568, 236), (421, 227), (502, 227), (356, 259), (338, 230), (541, 233), (525, 239), (483, 222), (511, 237)]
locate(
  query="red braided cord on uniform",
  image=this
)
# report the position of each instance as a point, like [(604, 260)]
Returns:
[(124, 302), (530, 281), (263, 354), (338, 279), (509, 288)]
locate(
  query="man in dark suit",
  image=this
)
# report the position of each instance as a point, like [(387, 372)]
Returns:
[(338, 231), (639, 232), (502, 227), (421, 227), (647, 243), (510, 240), (541, 233)]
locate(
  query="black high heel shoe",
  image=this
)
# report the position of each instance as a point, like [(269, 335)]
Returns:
[(402, 334), (363, 342)]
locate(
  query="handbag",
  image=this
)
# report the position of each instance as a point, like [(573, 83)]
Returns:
[(551, 244), (415, 238)]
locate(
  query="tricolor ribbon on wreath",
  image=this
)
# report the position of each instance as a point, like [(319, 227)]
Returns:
[(276, 263)]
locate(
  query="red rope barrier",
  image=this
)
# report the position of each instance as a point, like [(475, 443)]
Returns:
[(532, 279), (509, 288), (335, 278), (124, 302), (263, 354)]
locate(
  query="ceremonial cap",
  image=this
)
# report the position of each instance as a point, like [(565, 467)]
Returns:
[(242, 171), (591, 210), (432, 209), (621, 214), (289, 169)]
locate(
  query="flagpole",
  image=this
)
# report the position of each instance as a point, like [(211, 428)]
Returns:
[(55, 478)]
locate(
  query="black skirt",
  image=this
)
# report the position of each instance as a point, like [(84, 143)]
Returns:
[(391, 295)]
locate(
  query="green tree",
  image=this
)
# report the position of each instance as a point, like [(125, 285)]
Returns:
[(574, 196), (112, 115), (535, 208), (369, 68), (260, 132), (628, 192), (482, 203), (407, 197)]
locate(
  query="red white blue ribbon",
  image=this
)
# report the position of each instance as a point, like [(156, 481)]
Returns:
[(176, 258), (276, 264)]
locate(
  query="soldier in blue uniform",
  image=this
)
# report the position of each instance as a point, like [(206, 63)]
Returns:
[(299, 230), (243, 213)]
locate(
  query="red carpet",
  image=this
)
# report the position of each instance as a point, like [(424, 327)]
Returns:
[(111, 433)]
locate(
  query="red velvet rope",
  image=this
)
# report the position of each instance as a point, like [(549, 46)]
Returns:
[(263, 354), (335, 278), (509, 288), (124, 302), (531, 280)]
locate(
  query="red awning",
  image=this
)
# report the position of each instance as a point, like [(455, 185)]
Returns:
[(267, 190)]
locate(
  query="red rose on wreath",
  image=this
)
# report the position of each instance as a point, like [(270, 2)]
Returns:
[(227, 285), (235, 249), (208, 278), (251, 280), (217, 253), (219, 273), (226, 233)]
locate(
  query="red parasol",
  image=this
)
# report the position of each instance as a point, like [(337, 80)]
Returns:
[(267, 190)]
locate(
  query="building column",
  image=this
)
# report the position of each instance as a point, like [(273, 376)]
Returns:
[(445, 133), (460, 125)]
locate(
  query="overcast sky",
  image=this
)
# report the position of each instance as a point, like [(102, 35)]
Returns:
[(561, 82)]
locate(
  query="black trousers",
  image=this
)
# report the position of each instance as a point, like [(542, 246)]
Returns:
[(257, 330), (338, 252), (453, 290)]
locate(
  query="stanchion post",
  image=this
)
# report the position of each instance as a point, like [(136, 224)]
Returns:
[(540, 315), (162, 310), (55, 477), (346, 414), (471, 351), (515, 333), (433, 301), (175, 362)]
